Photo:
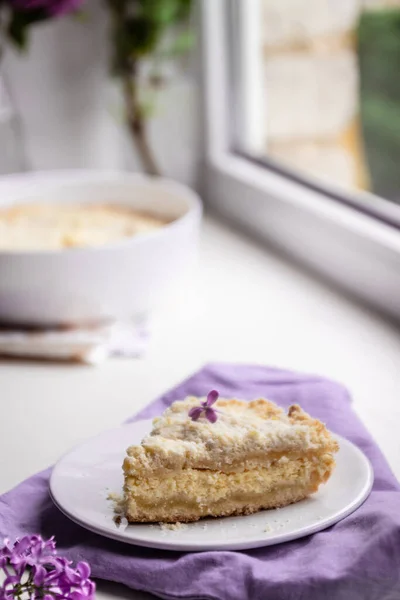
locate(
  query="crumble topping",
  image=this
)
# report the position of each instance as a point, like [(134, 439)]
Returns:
[(246, 433), (63, 225)]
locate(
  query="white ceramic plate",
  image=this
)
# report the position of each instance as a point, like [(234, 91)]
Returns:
[(83, 479)]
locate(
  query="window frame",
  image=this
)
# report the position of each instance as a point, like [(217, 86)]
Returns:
[(351, 241)]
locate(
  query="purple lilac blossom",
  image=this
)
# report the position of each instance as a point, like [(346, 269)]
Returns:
[(32, 568), (52, 7), (206, 408)]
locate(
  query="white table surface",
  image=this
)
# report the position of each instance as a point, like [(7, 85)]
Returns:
[(246, 305)]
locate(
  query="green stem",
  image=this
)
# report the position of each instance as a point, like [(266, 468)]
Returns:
[(16, 122), (128, 70), (138, 122)]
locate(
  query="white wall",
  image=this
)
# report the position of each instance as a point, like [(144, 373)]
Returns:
[(72, 111)]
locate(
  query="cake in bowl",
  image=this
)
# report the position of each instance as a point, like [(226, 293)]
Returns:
[(60, 226), (221, 457)]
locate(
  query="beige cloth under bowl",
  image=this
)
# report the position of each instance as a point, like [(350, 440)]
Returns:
[(90, 345)]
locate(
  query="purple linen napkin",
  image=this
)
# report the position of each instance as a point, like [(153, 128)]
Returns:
[(357, 559)]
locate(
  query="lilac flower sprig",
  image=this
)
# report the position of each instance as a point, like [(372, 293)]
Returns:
[(206, 409), (32, 569)]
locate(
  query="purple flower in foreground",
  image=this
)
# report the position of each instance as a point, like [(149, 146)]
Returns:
[(32, 569), (52, 7), (206, 408)]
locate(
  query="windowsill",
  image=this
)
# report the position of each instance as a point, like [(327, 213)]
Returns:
[(352, 249), (247, 305), (347, 245)]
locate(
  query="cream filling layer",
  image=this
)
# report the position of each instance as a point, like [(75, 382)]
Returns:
[(194, 493)]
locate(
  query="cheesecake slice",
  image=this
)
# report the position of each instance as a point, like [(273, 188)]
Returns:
[(234, 458)]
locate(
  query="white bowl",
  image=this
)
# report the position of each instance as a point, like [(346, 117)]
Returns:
[(120, 280)]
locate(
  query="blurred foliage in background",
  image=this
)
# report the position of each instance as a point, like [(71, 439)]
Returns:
[(18, 16), (140, 28), (145, 35), (379, 58)]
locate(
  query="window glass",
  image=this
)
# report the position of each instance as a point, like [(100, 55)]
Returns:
[(320, 90)]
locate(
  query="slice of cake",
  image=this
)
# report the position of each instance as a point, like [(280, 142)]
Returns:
[(225, 457)]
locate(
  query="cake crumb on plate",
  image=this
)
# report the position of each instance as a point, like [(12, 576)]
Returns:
[(173, 526)]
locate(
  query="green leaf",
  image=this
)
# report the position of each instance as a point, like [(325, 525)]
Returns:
[(160, 11), (140, 28), (148, 108), (185, 9), (19, 24), (180, 45), (117, 5), (81, 16), (166, 12), (17, 32), (142, 35)]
